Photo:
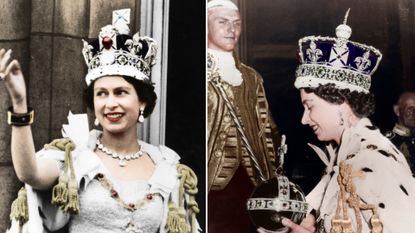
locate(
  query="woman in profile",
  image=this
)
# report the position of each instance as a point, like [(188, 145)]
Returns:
[(100, 181), (367, 186)]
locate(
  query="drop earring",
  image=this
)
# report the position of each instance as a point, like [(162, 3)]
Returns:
[(96, 122), (141, 115), (341, 123)]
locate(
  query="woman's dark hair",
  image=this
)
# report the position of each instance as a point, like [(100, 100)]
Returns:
[(144, 89), (362, 104)]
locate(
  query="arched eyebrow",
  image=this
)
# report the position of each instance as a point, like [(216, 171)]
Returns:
[(114, 89), (99, 88), (123, 88)]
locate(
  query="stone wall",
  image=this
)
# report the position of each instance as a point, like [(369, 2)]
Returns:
[(45, 37)]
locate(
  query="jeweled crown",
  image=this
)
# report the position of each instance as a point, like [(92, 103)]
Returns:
[(345, 63), (117, 53)]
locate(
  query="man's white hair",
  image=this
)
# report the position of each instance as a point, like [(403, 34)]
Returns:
[(222, 3)]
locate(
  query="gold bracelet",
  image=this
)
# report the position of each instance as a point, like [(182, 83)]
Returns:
[(20, 119)]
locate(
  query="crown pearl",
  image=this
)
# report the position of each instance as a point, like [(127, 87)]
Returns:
[(343, 31), (107, 42)]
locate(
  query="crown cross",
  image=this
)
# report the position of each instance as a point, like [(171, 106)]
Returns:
[(339, 56), (121, 16)]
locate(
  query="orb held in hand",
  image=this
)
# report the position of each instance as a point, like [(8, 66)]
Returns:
[(274, 199)]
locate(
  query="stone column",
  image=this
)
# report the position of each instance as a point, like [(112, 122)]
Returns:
[(14, 34)]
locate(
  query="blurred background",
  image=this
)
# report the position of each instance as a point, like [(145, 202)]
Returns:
[(269, 43), (45, 37)]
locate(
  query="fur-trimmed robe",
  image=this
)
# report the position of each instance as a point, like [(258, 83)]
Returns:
[(387, 182)]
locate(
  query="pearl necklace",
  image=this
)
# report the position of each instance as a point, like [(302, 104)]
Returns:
[(122, 158)]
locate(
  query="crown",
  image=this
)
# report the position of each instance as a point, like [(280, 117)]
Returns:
[(117, 53), (347, 64)]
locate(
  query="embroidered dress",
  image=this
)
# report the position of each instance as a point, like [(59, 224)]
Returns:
[(380, 175), (99, 212)]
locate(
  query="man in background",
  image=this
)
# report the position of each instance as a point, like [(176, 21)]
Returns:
[(403, 133), (242, 137)]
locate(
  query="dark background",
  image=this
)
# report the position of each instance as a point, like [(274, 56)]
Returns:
[(186, 91)]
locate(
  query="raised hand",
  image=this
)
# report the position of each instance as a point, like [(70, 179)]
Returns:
[(11, 74)]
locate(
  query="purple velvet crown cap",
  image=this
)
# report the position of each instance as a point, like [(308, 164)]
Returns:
[(347, 64)]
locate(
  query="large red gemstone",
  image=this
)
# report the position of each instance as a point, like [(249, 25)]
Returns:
[(107, 42)]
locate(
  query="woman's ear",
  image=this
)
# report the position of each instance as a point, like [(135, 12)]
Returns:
[(141, 103), (349, 116)]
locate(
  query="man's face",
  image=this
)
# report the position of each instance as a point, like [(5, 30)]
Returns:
[(224, 28), (407, 110)]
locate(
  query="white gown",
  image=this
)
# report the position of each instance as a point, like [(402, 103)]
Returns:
[(99, 212)]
